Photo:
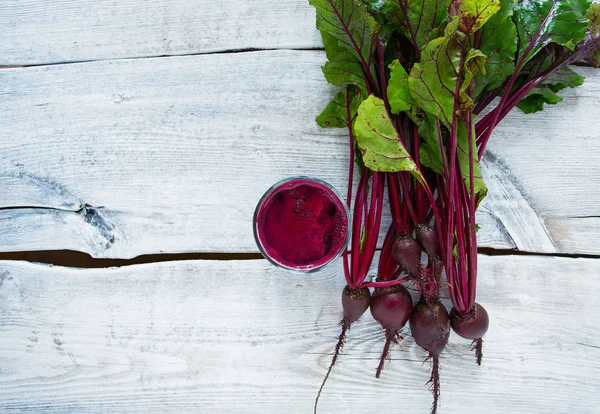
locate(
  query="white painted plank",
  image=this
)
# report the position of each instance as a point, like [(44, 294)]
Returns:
[(129, 157), (509, 206), (581, 234), (45, 31), (225, 337)]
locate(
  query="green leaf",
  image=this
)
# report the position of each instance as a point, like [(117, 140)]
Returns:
[(417, 19), (378, 141), (380, 9), (397, 91), (541, 22), (432, 81), (344, 70), (349, 22), (444, 63), (343, 67), (429, 153), (498, 41), (593, 16), (332, 46), (535, 103), (334, 115), (546, 91), (474, 64), (439, 84), (473, 14)]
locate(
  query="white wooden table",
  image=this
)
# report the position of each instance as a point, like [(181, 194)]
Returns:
[(131, 128)]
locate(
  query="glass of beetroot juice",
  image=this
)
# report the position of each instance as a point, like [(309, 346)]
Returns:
[(301, 224)]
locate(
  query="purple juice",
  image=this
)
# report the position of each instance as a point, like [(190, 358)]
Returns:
[(301, 224)]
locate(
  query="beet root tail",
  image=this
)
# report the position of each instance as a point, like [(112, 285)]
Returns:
[(389, 338), (434, 380), (477, 346), (338, 349)]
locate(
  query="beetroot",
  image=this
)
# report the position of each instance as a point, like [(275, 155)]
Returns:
[(430, 327), (355, 303), (407, 253), (428, 238), (472, 325), (391, 307)]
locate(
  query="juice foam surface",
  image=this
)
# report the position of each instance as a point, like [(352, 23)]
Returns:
[(302, 224)]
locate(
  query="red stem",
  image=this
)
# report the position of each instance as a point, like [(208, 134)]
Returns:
[(512, 80), (383, 78), (375, 212), (406, 198), (462, 277), (396, 207), (350, 177), (465, 229), (487, 124), (351, 136), (357, 227), (472, 225), (387, 265), (451, 169), (420, 203)]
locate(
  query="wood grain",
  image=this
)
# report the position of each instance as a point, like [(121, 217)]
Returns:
[(42, 31), (242, 336), (130, 157)]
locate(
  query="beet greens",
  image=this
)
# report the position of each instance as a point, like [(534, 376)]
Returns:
[(422, 87)]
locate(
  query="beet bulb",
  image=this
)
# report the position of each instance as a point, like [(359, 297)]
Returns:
[(430, 327), (391, 307), (472, 325)]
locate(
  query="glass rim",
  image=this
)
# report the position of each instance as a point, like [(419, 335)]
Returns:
[(266, 195)]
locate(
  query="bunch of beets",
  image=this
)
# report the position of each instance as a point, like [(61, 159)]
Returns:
[(423, 84)]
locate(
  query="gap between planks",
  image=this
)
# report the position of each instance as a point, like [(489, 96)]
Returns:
[(218, 52), (71, 258)]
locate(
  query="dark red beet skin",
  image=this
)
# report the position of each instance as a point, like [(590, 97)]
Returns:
[(355, 303), (428, 238), (430, 327), (391, 306), (473, 325), (302, 225), (407, 253)]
